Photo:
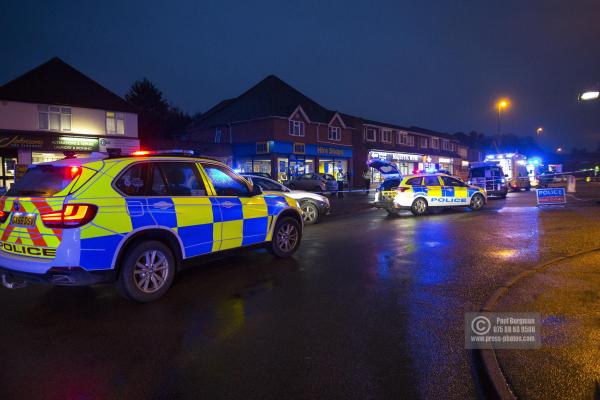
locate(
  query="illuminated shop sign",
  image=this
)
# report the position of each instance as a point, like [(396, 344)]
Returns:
[(49, 142), (443, 160), (384, 155)]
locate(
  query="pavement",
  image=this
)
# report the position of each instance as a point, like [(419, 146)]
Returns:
[(371, 307)]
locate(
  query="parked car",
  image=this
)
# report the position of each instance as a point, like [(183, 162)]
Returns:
[(420, 193), (314, 183), (489, 176), (134, 221), (313, 205), (263, 174)]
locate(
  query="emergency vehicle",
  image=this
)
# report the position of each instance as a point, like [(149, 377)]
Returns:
[(488, 175), (134, 221), (419, 193), (514, 166)]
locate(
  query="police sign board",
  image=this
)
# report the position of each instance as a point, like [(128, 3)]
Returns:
[(551, 196)]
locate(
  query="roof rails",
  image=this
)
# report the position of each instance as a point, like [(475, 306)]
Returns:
[(173, 152)]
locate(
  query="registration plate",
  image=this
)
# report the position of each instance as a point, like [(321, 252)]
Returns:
[(23, 219)]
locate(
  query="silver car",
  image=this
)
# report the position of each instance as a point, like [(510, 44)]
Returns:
[(324, 183), (313, 205)]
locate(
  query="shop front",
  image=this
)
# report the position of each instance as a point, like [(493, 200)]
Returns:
[(412, 163), (18, 150), (285, 160)]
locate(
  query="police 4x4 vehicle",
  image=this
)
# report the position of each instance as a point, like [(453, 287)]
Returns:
[(419, 193), (134, 220)]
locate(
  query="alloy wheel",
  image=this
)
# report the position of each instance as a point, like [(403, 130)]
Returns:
[(151, 271), (287, 237)]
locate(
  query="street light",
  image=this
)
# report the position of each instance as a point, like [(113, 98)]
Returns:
[(559, 149), (539, 131), (589, 95), (502, 104)]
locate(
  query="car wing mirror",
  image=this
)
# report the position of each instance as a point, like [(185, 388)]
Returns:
[(256, 190)]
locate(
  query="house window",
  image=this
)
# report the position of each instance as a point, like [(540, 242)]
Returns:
[(370, 134), (54, 118), (386, 136), (435, 143), (262, 147), (299, 148), (402, 138), (410, 140), (335, 133), (423, 142), (115, 123), (446, 144), (218, 135), (296, 128)]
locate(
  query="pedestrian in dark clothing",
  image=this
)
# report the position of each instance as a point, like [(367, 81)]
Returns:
[(367, 179)]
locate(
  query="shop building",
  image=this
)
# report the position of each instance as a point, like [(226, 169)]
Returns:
[(275, 129), (55, 109), (412, 149)]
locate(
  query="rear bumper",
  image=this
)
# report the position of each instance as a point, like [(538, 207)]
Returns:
[(74, 276)]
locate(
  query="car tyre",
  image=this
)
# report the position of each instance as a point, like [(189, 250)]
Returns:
[(310, 212), (477, 202), (419, 206), (147, 271), (286, 237)]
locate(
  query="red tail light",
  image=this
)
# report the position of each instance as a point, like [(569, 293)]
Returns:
[(71, 216), (402, 189), (4, 216)]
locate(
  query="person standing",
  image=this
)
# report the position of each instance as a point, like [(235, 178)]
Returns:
[(340, 182), (367, 178)]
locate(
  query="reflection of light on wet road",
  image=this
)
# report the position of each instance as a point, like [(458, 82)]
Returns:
[(505, 253), (230, 317)]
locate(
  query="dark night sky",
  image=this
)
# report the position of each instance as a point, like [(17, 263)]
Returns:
[(436, 64)]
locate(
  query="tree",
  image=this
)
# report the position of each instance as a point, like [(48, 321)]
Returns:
[(158, 119)]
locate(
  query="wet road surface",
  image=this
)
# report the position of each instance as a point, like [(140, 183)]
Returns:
[(371, 306)]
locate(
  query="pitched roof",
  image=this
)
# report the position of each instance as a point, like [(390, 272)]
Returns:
[(271, 97), (56, 82)]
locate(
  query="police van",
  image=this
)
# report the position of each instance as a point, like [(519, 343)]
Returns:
[(134, 220)]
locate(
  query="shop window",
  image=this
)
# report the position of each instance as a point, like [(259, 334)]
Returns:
[(435, 143), (423, 142), (262, 148), (54, 118), (218, 135), (371, 134), (386, 136), (115, 123), (296, 128), (335, 133), (299, 148)]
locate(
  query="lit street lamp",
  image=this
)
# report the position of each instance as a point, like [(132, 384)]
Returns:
[(502, 104), (589, 95), (559, 149), (539, 131)]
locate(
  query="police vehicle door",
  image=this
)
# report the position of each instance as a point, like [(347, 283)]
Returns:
[(434, 190), (192, 209), (244, 218), (454, 191)]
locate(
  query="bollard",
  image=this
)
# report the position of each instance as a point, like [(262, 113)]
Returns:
[(571, 183)]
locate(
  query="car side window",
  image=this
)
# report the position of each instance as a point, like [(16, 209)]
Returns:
[(448, 181), (134, 180), (414, 181), (225, 182), (431, 181), (266, 184), (182, 178), (158, 187)]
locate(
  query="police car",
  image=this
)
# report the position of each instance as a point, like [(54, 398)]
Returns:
[(419, 193), (134, 220)]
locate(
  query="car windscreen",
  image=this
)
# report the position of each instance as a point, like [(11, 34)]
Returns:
[(477, 173), (42, 181)]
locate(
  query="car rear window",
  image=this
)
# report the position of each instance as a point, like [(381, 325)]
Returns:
[(414, 181), (43, 181)]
